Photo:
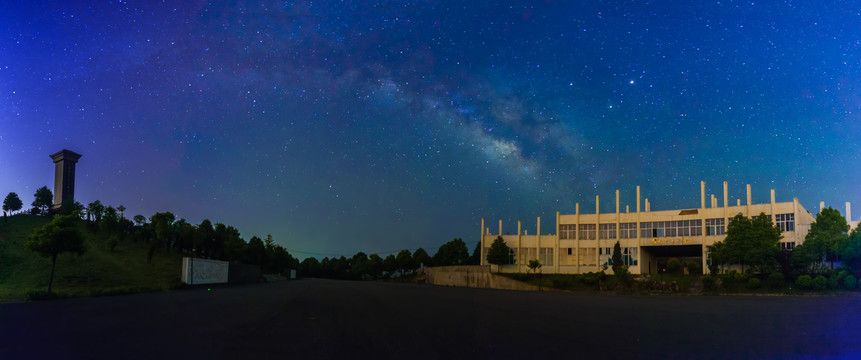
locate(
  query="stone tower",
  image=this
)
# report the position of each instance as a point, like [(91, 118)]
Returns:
[(64, 176)]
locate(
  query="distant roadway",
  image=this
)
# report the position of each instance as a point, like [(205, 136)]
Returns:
[(328, 319)]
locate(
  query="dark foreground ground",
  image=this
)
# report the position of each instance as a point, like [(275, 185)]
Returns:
[(338, 319)]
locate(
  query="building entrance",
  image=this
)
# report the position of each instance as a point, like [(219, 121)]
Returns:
[(655, 258)]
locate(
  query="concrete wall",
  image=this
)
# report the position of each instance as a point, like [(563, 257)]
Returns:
[(204, 271), (476, 276)]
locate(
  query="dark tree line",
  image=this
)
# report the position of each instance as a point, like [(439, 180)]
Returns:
[(163, 232), (367, 267)]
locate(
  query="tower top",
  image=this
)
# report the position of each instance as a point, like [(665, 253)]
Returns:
[(67, 155)]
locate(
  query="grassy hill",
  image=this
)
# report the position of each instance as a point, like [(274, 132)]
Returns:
[(98, 271)]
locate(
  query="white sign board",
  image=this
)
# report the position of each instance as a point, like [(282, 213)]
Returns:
[(204, 271)]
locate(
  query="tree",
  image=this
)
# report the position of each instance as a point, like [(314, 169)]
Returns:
[(138, 219), (421, 258), (96, 209), (405, 261), (750, 242), (534, 265), (110, 221), (59, 236), (256, 251), (390, 264), (12, 203), (475, 259), (44, 199), (451, 253), (498, 253), (162, 224), (618, 265), (826, 238), (851, 252), (359, 264), (375, 265), (122, 210), (69, 206)]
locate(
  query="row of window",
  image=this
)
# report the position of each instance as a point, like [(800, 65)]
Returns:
[(714, 227)]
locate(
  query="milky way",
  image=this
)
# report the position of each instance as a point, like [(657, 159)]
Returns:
[(379, 126)]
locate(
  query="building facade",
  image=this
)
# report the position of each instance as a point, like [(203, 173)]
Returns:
[(581, 243)]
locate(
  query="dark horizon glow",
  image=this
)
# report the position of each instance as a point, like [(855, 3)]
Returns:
[(341, 127)]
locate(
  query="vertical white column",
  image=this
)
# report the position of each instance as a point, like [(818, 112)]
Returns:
[(481, 243), (597, 231), (556, 249), (773, 216)]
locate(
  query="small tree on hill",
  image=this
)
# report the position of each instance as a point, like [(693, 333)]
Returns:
[(44, 199), (498, 253), (59, 236), (12, 203)]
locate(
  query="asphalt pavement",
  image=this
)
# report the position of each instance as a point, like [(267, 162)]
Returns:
[(326, 319)]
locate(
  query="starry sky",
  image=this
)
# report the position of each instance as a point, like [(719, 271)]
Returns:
[(340, 126)]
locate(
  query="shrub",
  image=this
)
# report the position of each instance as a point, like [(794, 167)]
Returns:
[(753, 283), (775, 280), (709, 282), (842, 274), (694, 268), (804, 282), (833, 283), (674, 266), (820, 283), (739, 277), (850, 282)]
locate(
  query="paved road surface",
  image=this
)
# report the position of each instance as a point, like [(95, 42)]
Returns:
[(324, 319)]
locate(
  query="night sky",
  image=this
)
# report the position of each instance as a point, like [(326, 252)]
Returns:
[(340, 126)]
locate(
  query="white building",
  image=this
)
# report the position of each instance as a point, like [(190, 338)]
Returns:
[(581, 243)]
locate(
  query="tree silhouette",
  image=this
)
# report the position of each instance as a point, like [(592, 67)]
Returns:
[(11, 203), (44, 199), (59, 236), (498, 253)]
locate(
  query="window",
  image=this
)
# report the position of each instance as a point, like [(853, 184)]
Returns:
[(512, 256), (527, 254), (786, 222), (567, 256), (607, 231), (587, 256), (787, 245), (628, 230), (567, 231), (605, 256), (671, 228), (715, 227), (545, 256), (629, 256), (587, 232)]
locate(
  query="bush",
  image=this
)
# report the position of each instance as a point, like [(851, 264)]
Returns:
[(842, 274), (709, 282), (804, 282), (739, 277), (753, 283), (674, 266), (850, 282), (694, 268), (833, 283), (820, 283), (775, 280)]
